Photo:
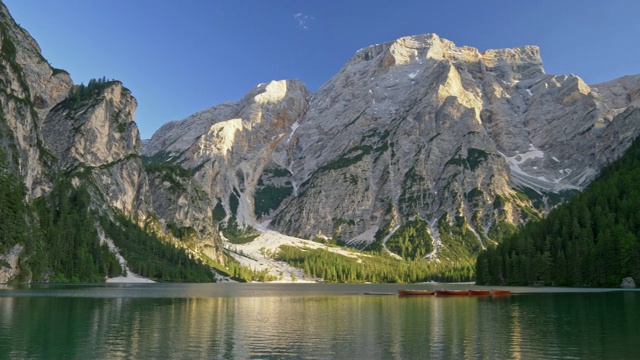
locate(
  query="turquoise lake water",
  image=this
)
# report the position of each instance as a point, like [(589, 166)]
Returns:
[(312, 321)]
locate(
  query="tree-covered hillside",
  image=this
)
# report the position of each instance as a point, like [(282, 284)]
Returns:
[(60, 241), (593, 240)]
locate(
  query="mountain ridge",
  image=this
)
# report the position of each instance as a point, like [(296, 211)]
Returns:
[(415, 98)]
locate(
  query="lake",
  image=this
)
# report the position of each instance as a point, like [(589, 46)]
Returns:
[(312, 321)]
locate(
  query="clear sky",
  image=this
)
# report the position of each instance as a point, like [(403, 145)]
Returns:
[(182, 56)]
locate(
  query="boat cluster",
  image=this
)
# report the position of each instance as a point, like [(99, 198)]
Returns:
[(423, 292)]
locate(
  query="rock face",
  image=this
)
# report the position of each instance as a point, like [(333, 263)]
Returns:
[(98, 136), (230, 146), (418, 128), (9, 266), (30, 89), (97, 142), (628, 283)]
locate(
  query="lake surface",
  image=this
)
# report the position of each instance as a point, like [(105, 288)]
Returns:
[(312, 321)]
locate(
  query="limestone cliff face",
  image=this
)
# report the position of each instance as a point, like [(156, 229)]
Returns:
[(10, 263), (185, 211), (30, 89), (97, 137), (93, 132), (96, 142), (228, 147), (399, 130), (415, 128)]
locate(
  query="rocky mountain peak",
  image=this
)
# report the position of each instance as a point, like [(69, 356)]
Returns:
[(93, 131), (228, 146), (266, 102), (409, 49), (512, 64), (417, 129), (46, 86), (275, 91)]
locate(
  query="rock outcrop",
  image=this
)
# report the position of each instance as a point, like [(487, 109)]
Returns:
[(97, 143), (9, 266), (98, 136), (628, 283)]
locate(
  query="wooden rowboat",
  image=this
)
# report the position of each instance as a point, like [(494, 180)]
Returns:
[(416, 292), (500, 292), (452, 292), (480, 292), (379, 293)]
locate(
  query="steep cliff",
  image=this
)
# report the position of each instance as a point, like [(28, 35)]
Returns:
[(30, 88), (94, 134), (96, 142)]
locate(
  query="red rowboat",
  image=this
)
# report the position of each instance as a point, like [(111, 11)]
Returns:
[(452, 292), (480, 292), (500, 292), (416, 292)]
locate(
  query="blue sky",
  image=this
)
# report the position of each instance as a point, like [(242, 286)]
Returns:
[(179, 57)]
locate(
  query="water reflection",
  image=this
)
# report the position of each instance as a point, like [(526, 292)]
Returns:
[(322, 326)]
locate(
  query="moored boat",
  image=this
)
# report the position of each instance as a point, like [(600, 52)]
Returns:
[(416, 292), (495, 292), (379, 293), (452, 292), (480, 292)]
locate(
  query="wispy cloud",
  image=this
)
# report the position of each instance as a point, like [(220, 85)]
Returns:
[(303, 20)]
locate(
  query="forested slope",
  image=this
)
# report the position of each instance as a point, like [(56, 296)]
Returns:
[(592, 240)]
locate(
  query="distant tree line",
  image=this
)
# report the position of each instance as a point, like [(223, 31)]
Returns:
[(593, 240), (370, 267), (82, 92)]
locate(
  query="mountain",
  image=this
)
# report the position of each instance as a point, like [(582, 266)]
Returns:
[(416, 149), (417, 135), (70, 158)]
